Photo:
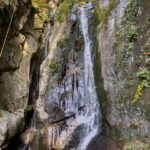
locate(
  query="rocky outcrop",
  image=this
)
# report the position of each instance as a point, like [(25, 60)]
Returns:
[(49, 32), (122, 40), (16, 62), (61, 87)]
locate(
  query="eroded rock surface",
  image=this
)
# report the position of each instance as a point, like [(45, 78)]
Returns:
[(123, 31), (15, 65), (121, 59)]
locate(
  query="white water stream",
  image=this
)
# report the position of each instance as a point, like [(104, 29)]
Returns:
[(85, 96), (90, 117), (91, 114)]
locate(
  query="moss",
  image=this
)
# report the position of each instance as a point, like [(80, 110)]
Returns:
[(103, 12), (128, 38), (136, 146), (41, 4), (132, 35), (43, 16), (61, 43), (132, 11), (55, 66), (113, 132), (62, 11), (20, 126), (65, 54), (42, 9), (64, 44), (127, 35), (130, 83)]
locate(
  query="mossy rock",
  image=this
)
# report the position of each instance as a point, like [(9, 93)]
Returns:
[(103, 12), (62, 11)]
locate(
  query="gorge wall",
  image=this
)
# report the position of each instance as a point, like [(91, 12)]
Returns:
[(43, 59)]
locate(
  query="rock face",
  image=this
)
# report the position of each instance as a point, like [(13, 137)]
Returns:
[(122, 41), (61, 93), (49, 32), (16, 65)]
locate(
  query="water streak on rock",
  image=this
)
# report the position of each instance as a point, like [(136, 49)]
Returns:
[(91, 112)]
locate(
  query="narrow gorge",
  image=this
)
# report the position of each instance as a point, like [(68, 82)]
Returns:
[(74, 74)]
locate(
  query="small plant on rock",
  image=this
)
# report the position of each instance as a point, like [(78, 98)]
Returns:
[(130, 45), (143, 73), (132, 35), (137, 145), (145, 84)]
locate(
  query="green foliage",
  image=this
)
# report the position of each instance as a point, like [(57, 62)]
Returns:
[(136, 146), (130, 147), (62, 11), (132, 34), (40, 4), (103, 12), (130, 45), (144, 73), (65, 54), (43, 16), (29, 107), (132, 11), (42, 8), (145, 84), (55, 66), (61, 44)]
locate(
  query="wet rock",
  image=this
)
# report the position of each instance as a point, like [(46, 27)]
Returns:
[(61, 95)]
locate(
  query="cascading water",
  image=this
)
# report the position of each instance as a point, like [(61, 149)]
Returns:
[(72, 104), (89, 117), (91, 113)]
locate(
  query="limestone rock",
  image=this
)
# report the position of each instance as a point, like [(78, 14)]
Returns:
[(10, 123), (119, 64), (17, 82)]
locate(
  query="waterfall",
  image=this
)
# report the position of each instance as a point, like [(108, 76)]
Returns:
[(72, 105), (89, 117), (91, 113)]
